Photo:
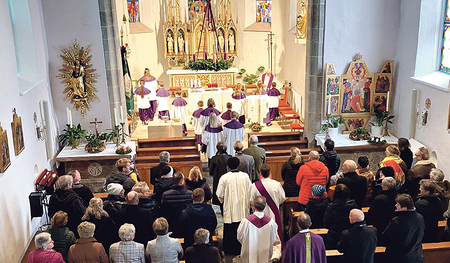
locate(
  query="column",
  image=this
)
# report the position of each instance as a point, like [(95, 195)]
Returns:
[(314, 68)]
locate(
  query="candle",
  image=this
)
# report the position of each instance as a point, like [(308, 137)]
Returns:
[(205, 55), (329, 105), (121, 115), (194, 57), (214, 58), (418, 108), (68, 116), (199, 84), (225, 56), (115, 117), (387, 102), (192, 84)]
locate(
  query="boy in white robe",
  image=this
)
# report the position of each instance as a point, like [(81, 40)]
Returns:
[(198, 127), (179, 110), (233, 131)]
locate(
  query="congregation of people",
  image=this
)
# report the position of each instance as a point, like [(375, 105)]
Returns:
[(406, 199)]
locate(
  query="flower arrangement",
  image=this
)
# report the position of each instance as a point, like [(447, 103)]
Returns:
[(255, 126), (123, 149)]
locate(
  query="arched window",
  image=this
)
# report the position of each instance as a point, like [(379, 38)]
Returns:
[(445, 51)]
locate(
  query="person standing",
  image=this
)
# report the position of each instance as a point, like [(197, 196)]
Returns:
[(312, 173), (305, 246), (405, 152), (421, 170), (217, 168), (233, 131), (330, 158), (355, 183), (179, 111), (259, 156), (44, 250), (143, 102), (162, 96), (198, 128), (123, 166), (257, 234), (289, 173), (358, 243), (212, 135), (247, 163), (127, 250), (83, 191), (233, 192), (238, 100), (404, 233), (274, 98), (150, 84), (226, 116)]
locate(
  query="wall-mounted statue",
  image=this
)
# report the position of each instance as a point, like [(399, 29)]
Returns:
[(169, 43)]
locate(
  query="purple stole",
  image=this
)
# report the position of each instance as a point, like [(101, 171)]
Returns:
[(272, 207), (269, 85), (258, 222)]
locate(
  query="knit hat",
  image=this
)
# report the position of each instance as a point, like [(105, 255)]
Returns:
[(317, 190), (114, 189)]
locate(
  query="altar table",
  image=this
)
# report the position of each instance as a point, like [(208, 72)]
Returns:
[(257, 107), (160, 129), (93, 167)]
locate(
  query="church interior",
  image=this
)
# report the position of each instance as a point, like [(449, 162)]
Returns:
[(298, 41)]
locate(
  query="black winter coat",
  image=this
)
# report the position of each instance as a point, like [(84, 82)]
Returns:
[(381, 212), (289, 174), (431, 210), (316, 210), (336, 220), (358, 243), (196, 216), (173, 201), (332, 161), (114, 203), (357, 186), (403, 238), (120, 178), (69, 202)]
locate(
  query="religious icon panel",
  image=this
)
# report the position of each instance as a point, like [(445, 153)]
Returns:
[(133, 11), (5, 161)]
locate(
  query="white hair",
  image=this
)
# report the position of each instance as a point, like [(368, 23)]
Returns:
[(42, 240), (126, 232)]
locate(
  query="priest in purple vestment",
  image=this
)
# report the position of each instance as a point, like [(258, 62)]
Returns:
[(295, 250), (274, 97)]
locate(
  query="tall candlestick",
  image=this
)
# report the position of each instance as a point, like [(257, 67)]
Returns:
[(225, 56), (205, 55), (199, 84), (115, 117), (194, 57), (214, 58), (329, 105), (121, 114), (68, 116), (387, 101), (192, 83)]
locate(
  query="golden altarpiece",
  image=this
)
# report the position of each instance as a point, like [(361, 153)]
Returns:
[(195, 38)]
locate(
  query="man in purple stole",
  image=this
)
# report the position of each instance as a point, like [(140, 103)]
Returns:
[(257, 234), (274, 194), (305, 246), (274, 95), (151, 84), (267, 79), (233, 131)]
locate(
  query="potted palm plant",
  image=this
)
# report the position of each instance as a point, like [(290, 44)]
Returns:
[(72, 135)]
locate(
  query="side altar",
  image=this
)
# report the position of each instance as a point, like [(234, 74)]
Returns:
[(93, 167)]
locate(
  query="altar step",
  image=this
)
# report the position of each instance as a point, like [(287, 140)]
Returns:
[(166, 142), (154, 151)]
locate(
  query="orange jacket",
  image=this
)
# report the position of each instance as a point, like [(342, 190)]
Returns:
[(312, 173)]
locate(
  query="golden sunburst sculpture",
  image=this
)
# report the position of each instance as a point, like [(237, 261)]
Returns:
[(78, 76)]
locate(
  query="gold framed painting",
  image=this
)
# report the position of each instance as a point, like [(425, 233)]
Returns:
[(5, 161), (17, 131)]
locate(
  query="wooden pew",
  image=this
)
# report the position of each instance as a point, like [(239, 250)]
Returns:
[(154, 151), (276, 136), (287, 152), (166, 142), (283, 145)]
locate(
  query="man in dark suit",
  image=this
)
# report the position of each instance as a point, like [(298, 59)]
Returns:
[(358, 243), (164, 159), (259, 156), (355, 183)]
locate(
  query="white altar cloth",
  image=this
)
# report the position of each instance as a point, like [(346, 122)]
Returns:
[(342, 140), (257, 107), (68, 154)]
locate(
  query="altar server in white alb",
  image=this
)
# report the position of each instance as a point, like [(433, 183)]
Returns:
[(226, 116), (238, 101), (198, 128), (179, 110), (274, 98), (162, 96), (233, 131), (151, 84), (142, 102), (204, 118), (212, 135), (257, 233)]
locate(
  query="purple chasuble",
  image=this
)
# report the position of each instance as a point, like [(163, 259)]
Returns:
[(273, 92), (213, 130), (258, 222), (234, 124), (270, 80), (138, 91), (226, 115), (197, 113), (147, 80), (162, 92), (179, 102), (206, 112), (239, 97), (262, 190)]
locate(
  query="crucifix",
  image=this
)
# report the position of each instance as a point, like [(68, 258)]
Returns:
[(269, 47), (95, 122)]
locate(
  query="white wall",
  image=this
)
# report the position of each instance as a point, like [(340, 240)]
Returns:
[(16, 183), (65, 21), (434, 135)]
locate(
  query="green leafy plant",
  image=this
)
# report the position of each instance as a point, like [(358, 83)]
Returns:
[(250, 79), (70, 135), (261, 68), (93, 140), (208, 64), (332, 123), (381, 117), (360, 130)]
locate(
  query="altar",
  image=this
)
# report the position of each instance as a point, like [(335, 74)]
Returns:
[(93, 167), (256, 108), (160, 129)]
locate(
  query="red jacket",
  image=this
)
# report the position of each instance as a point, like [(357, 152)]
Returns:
[(312, 173), (44, 256)]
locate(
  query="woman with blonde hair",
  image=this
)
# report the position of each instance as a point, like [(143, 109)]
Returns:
[(106, 230), (393, 160), (63, 238), (289, 172), (212, 135), (196, 180), (146, 199)]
